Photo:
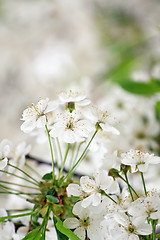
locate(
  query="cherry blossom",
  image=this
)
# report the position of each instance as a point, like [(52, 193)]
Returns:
[(139, 161), (102, 120), (86, 225), (35, 115), (71, 128)]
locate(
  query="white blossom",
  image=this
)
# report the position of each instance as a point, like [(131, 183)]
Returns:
[(90, 189), (102, 119), (86, 224), (71, 128), (19, 155), (35, 115), (7, 229), (128, 228), (139, 161), (146, 207)]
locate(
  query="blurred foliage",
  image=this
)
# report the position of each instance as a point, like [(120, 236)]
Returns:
[(127, 47)]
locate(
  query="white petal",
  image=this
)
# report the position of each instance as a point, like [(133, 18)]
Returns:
[(108, 128), (74, 189), (143, 167), (96, 199), (69, 136), (71, 223), (57, 131), (3, 212), (42, 105), (133, 237), (154, 160), (94, 233), (87, 201), (84, 102), (144, 229), (41, 122), (80, 232), (81, 212), (88, 185), (121, 218), (3, 163), (28, 126), (52, 105)]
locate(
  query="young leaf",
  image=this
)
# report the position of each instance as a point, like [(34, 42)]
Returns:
[(60, 235), (52, 199), (66, 231), (47, 176), (34, 235)]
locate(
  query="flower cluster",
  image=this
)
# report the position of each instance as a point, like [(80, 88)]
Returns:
[(103, 206)]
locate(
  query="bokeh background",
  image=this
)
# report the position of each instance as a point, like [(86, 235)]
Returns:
[(109, 49)]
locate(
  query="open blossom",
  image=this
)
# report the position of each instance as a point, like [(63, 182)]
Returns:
[(86, 225), (5, 147), (128, 228), (139, 161), (74, 97), (91, 189), (146, 207), (7, 229), (102, 120), (19, 155), (35, 115), (71, 128)]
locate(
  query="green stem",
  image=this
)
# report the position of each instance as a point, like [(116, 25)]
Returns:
[(19, 193), (55, 151), (16, 191), (18, 210), (110, 198), (33, 170), (15, 216), (17, 184), (78, 149), (73, 153), (64, 160), (69, 175), (59, 149), (24, 173), (27, 180), (129, 186), (50, 144), (145, 191), (153, 230)]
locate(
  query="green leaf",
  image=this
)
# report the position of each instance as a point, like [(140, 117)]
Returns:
[(157, 110), (52, 199), (66, 231), (34, 235), (60, 235), (47, 176), (141, 88)]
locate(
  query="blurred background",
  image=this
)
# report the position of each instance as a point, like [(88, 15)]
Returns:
[(109, 49)]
